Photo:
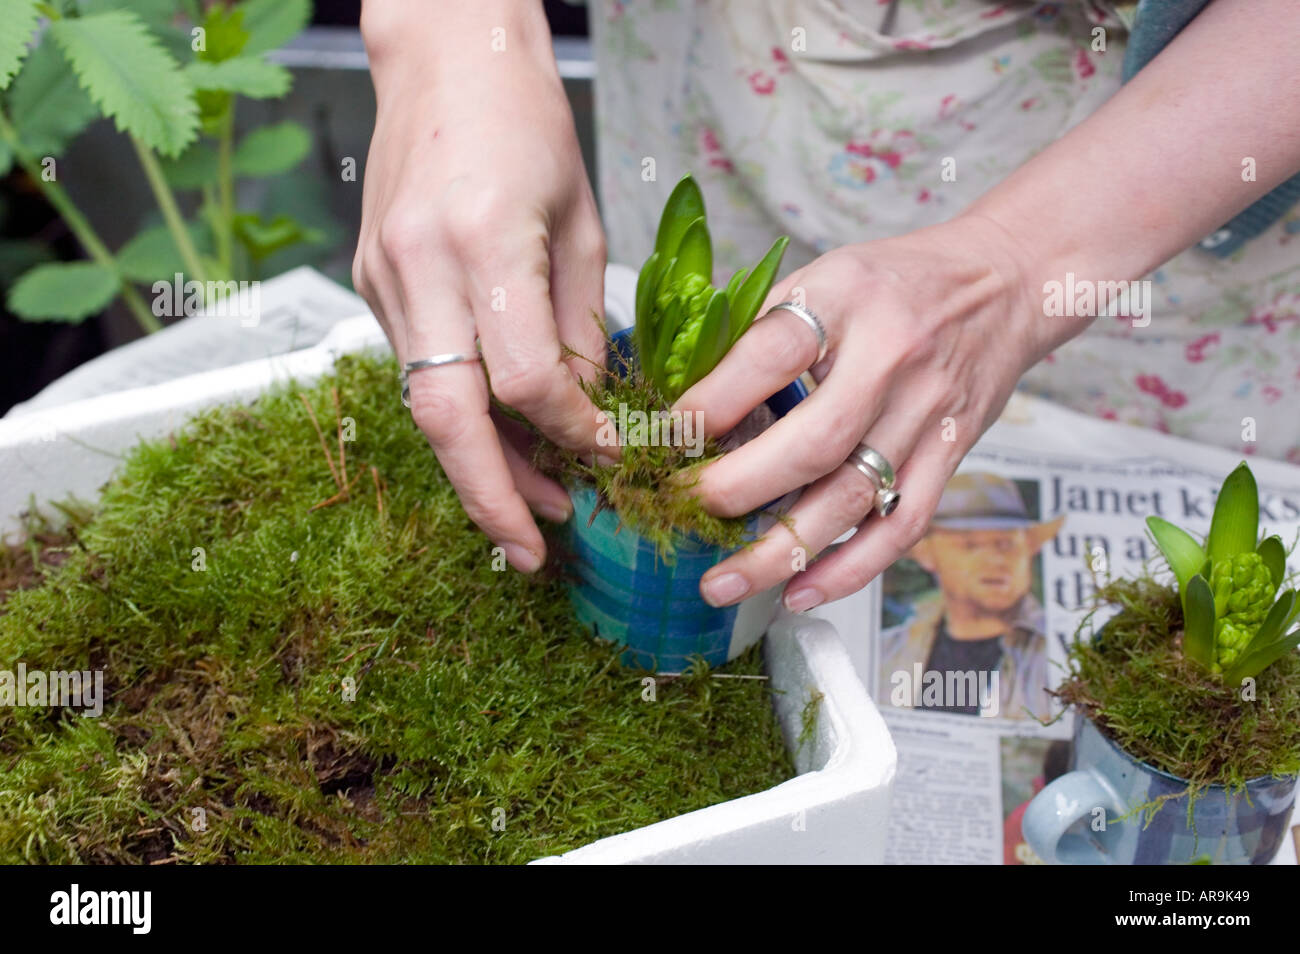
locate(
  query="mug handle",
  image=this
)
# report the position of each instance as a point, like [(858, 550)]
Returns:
[(1073, 797)]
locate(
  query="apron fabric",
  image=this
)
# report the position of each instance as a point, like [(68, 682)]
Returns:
[(832, 121)]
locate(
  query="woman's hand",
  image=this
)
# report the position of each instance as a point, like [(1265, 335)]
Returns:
[(478, 222), (928, 334)]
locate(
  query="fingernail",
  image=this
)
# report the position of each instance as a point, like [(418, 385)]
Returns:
[(725, 589), (804, 599), (604, 460), (521, 558), (554, 512)]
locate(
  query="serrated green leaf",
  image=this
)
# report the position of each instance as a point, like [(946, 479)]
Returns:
[(749, 297), (63, 291), (1256, 662), (1273, 553), (244, 75), (694, 252), (1234, 528), (152, 254), (1198, 622), (131, 78), (153, 12), (47, 107), (261, 238), (177, 40), (192, 169), (224, 34), (19, 18), (713, 340), (685, 204), (271, 150), (1183, 554), (273, 23)]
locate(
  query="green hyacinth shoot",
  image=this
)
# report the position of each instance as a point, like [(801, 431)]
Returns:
[(1234, 621), (684, 325)]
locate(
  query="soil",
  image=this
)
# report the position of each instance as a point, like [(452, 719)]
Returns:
[(21, 569)]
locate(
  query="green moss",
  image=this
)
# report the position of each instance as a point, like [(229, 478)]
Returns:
[(650, 487), (1134, 682), (477, 697)]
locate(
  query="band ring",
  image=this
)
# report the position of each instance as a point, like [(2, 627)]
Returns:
[(437, 361), (808, 318), (876, 461), (872, 464)]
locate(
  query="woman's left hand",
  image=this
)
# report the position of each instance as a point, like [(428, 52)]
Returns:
[(928, 334)]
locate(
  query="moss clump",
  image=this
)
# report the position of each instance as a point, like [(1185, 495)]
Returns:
[(1134, 682), (650, 486), (228, 733)]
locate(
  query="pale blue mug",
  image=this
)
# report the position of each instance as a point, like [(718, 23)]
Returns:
[(1076, 819)]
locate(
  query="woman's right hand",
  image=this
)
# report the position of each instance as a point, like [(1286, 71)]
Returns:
[(478, 222)]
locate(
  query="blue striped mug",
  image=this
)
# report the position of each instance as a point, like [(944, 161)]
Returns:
[(624, 591)]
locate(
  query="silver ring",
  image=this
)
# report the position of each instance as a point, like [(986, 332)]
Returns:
[(808, 318), (876, 461), (872, 464), (437, 361)]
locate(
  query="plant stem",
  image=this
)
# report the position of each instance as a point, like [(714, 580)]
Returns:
[(80, 226), (171, 212), (210, 212), (226, 187)]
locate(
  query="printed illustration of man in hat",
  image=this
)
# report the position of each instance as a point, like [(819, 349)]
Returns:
[(983, 619)]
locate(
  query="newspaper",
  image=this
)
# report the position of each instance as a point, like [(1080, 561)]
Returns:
[(967, 635)]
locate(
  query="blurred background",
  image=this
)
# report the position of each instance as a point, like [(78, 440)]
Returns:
[(331, 97)]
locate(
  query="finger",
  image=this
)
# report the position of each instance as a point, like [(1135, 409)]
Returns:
[(834, 504), (375, 282), (578, 294), (773, 352), (516, 326), (879, 541), (824, 511), (546, 497), (810, 441), (450, 406)]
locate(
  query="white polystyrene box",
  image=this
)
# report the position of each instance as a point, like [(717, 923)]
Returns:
[(835, 810)]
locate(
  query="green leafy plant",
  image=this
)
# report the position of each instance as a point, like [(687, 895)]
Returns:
[(1235, 623), (168, 74), (684, 325)]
